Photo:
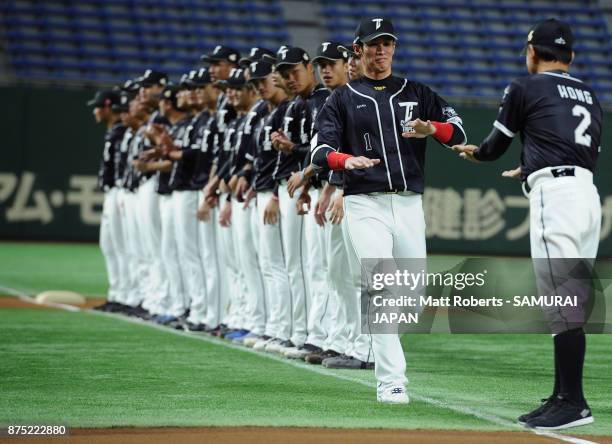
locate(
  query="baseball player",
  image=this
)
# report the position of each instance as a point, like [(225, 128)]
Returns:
[(263, 161), (109, 244), (221, 61), (560, 122), (361, 130)]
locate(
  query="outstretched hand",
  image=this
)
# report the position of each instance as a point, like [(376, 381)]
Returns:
[(421, 129), (466, 152), (512, 174), (360, 163)]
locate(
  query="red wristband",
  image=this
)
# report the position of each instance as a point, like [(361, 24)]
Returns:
[(336, 161), (444, 131)]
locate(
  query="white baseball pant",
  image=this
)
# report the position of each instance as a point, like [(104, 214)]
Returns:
[(272, 263), (209, 313), (386, 226), (112, 246), (136, 267), (170, 259), (292, 229), (246, 253)]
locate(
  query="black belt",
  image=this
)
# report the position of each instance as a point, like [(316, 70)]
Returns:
[(556, 172)]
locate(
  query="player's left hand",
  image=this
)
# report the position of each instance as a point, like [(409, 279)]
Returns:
[(466, 152), (302, 204), (421, 129)]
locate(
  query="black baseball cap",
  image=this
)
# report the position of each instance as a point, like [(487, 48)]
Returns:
[(104, 98), (153, 78), (330, 51), (256, 54), (198, 78), (236, 78), (124, 102), (184, 80), (348, 49), (222, 52), (292, 56), (372, 28), (260, 70), (551, 33), (169, 93), (131, 85)]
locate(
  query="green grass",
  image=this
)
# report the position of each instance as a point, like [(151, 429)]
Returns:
[(35, 267), (84, 369)]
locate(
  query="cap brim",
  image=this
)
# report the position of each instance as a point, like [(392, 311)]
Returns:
[(209, 59), (279, 64), (244, 61), (94, 103), (331, 59), (371, 37), (349, 50), (266, 57)]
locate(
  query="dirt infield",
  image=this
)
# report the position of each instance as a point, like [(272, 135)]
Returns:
[(13, 302), (274, 435)]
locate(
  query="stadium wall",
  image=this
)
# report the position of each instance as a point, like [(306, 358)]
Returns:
[(51, 150)]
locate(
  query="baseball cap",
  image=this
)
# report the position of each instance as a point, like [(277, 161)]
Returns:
[(131, 85), (198, 78), (152, 78), (551, 33), (221, 52), (260, 70), (348, 49), (255, 54), (104, 98), (236, 78), (372, 28), (292, 56), (169, 93), (184, 80), (124, 102), (330, 51)]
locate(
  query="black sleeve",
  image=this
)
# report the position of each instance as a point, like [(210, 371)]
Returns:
[(510, 118), (438, 110), (328, 131), (493, 147)]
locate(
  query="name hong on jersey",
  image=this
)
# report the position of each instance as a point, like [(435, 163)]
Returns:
[(568, 92)]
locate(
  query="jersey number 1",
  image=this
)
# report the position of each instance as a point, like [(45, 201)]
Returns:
[(580, 135)]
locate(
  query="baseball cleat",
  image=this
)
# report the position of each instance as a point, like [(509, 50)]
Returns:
[(251, 339), (262, 343), (318, 357), (236, 334), (347, 362), (302, 352), (275, 345), (392, 395), (546, 404), (190, 326), (563, 414)]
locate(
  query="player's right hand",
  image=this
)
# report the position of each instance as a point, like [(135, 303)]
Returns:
[(271, 212), (203, 213), (360, 163), (512, 174)]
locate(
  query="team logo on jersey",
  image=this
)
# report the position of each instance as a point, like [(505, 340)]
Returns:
[(380, 88), (363, 105), (407, 116)]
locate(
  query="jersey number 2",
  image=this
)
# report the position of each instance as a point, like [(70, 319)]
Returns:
[(580, 136)]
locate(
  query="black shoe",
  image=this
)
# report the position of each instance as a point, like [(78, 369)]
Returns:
[(562, 415), (103, 307), (546, 404), (189, 326)]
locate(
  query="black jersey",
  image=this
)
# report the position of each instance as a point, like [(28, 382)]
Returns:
[(558, 117), (367, 117), (264, 155), (206, 134), (112, 145), (227, 151), (133, 177), (292, 127), (224, 115), (244, 152), (121, 157), (313, 105), (183, 169), (176, 132)]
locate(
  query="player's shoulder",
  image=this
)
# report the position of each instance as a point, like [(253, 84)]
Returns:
[(117, 130)]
